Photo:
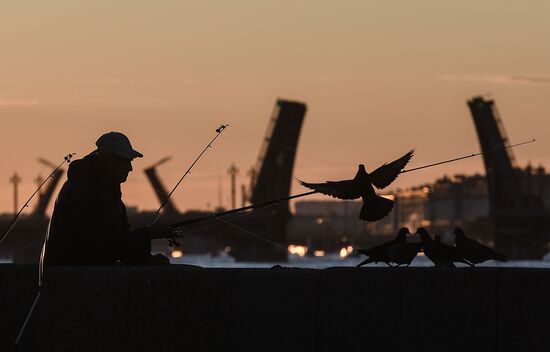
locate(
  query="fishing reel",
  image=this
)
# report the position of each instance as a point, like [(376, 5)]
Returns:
[(172, 243), (177, 232)]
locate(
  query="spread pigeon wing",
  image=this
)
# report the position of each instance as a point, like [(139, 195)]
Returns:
[(338, 189), (387, 173)]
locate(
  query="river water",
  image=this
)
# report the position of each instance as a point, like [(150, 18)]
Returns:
[(332, 260), (327, 261)]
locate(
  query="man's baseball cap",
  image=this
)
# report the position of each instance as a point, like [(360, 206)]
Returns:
[(119, 144)]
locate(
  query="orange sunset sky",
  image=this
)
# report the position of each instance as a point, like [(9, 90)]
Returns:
[(379, 78)]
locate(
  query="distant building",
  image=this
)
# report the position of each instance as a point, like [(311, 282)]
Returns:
[(326, 224), (320, 208)]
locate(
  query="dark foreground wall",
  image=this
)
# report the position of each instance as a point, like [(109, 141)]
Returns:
[(179, 308)]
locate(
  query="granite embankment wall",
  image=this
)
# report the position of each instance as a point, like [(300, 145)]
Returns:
[(179, 308)]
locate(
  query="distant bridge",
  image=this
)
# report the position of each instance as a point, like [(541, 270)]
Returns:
[(520, 219)]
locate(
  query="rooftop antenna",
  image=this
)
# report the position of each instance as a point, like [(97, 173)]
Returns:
[(220, 198), (16, 180), (233, 171)]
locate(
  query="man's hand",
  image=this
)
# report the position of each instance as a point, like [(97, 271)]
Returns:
[(159, 259), (160, 230)]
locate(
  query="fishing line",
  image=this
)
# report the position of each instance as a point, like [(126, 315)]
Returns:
[(467, 156), (222, 220), (253, 234), (288, 148), (403, 171), (17, 217), (255, 211)]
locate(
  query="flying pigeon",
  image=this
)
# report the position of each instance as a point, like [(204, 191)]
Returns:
[(380, 253), (442, 255), (374, 207), (404, 253), (474, 251)]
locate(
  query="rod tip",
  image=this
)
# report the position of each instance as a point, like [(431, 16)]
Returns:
[(221, 128)]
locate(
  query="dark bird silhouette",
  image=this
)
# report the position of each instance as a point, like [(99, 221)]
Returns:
[(380, 253), (374, 207), (404, 253), (474, 251), (442, 255)]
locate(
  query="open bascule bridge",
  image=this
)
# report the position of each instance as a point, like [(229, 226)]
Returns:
[(176, 307), (520, 220)]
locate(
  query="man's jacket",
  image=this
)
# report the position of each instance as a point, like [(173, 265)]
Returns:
[(89, 225)]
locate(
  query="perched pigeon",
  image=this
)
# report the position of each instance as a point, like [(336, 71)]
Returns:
[(374, 207), (440, 254), (404, 253), (380, 253), (474, 251)]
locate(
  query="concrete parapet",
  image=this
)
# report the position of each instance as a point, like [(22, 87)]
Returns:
[(524, 312), (177, 308)]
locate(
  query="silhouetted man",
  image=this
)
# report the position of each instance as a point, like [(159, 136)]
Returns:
[(89, 225)]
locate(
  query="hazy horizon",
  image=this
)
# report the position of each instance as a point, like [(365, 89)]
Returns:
[(378, 79)]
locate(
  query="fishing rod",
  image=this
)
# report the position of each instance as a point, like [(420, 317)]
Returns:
[(219, 130), (238, 210), (17, 217), (20, 335), (256, 206), (155, 218)]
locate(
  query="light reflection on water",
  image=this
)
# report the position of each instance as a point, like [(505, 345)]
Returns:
[(327, 261), (331, 260)]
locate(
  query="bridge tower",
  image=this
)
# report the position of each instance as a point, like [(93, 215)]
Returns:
[(44, 197), (160, 191), (271, 179), (518, 218)]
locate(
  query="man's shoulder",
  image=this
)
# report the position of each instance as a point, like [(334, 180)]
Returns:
[(78, 189)]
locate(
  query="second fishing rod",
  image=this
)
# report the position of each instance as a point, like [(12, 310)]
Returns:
[(160, 210), (282, 199)]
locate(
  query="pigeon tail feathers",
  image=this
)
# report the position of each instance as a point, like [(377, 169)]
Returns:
[(366, 261), (375, 208)]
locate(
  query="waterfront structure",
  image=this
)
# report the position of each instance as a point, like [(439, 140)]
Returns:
[(512, 209)]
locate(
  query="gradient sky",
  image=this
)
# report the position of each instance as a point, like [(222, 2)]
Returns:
[(379, 79)]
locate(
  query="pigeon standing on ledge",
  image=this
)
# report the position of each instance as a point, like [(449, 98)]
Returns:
[(404, 253), (474, 251), (442, 255), (374, 207), (380, 253)]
